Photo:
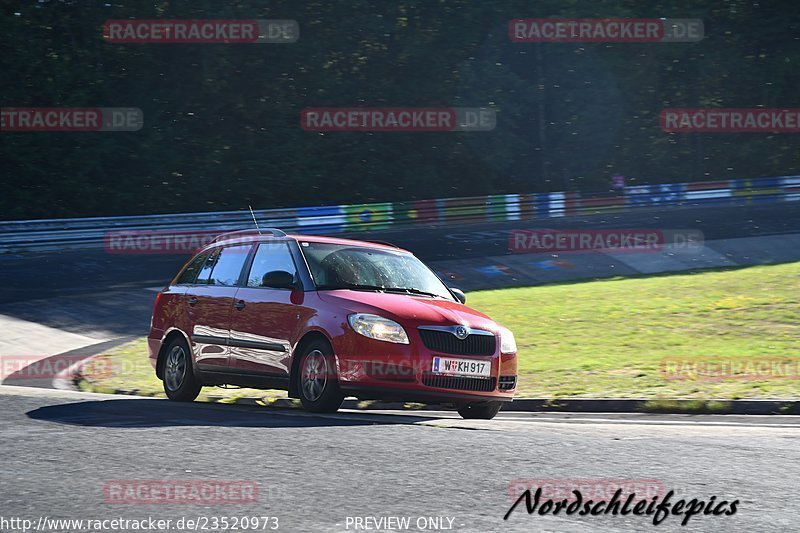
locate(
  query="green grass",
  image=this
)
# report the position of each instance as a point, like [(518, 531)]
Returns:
[(607, 338)]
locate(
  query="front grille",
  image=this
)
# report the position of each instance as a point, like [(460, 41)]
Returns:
[(458, 382), (446, 342), (507, 382)]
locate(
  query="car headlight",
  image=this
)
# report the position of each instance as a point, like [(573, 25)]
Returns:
[(507, 342), (377, 327)]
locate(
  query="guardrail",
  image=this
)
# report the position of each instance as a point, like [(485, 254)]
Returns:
[(77, 233)]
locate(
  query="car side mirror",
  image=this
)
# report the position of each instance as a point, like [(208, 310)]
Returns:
[(459, 294), (278, 279)]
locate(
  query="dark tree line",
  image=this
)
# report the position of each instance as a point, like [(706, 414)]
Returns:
[(222, 121)]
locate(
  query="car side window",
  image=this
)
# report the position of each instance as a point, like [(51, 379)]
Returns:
[(189, 274), (270, 256), (205, 271), (228, 265)]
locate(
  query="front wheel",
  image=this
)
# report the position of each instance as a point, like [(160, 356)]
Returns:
[(480, 410), (180, 383), (317, 379)]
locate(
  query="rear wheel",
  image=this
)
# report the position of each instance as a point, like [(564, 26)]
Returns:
[(180, 383), (480, 410), (317, 380)]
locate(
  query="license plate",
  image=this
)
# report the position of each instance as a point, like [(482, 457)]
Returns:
[(461, 367)]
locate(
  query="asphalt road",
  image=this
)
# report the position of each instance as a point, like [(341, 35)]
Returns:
[(60, 449)]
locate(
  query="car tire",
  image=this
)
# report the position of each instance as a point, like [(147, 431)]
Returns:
[(480, 410), (180, 383), (317, 381)]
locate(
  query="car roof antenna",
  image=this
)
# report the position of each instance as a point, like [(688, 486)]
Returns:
[(254, 219)]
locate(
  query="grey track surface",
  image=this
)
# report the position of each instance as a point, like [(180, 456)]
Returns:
[(59, 448)]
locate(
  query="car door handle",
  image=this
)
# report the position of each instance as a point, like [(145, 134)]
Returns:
[(192, 301), (240, 305)]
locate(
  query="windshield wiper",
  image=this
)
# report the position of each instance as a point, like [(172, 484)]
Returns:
[(379, 288), (412, 290), (351, 287)]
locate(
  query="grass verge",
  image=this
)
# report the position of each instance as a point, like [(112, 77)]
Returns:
[(606, 338)]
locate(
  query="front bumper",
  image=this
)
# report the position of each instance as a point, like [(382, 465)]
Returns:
[(363, 392), (371, 369)]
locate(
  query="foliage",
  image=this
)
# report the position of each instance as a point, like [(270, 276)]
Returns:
[(222, 121)]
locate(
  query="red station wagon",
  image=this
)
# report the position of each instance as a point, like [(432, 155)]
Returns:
[(326, 318)]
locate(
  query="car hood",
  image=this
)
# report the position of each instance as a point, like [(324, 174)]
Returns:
[(410, 310)]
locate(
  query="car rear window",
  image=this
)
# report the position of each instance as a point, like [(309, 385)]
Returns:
[(204, 276), (189, 274)]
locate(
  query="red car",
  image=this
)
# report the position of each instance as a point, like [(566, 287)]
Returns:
[(326, 318)]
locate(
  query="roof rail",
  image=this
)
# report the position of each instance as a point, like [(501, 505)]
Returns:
[(242, 232)]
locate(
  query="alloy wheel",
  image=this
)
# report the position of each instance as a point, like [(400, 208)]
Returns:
[(175, 368), (314, 377)]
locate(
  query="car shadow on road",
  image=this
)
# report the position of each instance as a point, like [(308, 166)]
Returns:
[(150, 413)]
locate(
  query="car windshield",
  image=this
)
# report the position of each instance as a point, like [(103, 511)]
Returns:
[(339, 266)]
